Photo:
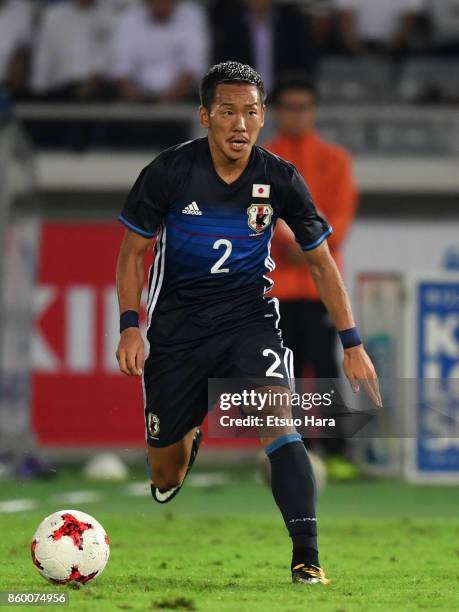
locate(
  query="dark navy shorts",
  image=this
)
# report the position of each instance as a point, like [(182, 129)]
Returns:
[(176, 378)]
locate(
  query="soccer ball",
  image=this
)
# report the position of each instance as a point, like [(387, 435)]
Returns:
[(70, 546)]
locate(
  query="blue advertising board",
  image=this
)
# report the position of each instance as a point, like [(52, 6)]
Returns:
[(435, 304)]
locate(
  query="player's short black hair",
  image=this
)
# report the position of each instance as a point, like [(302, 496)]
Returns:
[(229, 72), (292, 80)]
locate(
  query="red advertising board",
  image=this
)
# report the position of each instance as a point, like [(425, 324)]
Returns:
[(79, 397)]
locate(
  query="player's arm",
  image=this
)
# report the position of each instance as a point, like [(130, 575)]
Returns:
[(129, 282), (357, 365), (142, 214)]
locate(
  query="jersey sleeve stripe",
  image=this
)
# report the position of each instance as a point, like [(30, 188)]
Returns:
[(319, 241), (134, 228)]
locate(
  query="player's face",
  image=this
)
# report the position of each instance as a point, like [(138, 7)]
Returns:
[(235, 119), (296, 112)]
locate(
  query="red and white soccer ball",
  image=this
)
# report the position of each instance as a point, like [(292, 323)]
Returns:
[(70, 546)]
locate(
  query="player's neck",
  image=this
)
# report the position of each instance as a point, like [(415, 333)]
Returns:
[(229, 170)]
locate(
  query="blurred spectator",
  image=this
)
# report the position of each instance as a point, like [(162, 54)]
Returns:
[(322, 16), (69, 53), (15, 37), (377, 25), (271, 38), (306, 325), (160, 50), (444, 21)]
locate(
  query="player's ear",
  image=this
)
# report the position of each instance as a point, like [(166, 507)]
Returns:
[(263, 113), (204, 117)]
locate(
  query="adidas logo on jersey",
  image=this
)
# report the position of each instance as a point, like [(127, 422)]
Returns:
[(192, 209)]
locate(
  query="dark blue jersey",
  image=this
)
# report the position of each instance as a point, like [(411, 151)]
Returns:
[(212, 249)]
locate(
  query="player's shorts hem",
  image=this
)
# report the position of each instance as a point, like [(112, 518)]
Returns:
[(268, 382), (169, 440)]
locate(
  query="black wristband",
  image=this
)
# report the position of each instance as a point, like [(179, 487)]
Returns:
[(129, 318), (350, 337)]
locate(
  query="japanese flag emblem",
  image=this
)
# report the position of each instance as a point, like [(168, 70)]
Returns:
[(261, 191)]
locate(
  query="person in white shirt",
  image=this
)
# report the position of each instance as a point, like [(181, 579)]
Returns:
[(377, 24), (15, 39), (160, 50), (69, 52)]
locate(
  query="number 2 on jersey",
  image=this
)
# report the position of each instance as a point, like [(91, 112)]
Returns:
[(222, 242), (271, 371)]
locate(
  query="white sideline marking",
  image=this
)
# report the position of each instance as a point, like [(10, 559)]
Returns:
[(78, 497), (17, 505), (138, 488), (211, 479), (201, 480)]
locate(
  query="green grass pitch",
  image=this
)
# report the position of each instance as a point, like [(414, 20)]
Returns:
[(385, 546)]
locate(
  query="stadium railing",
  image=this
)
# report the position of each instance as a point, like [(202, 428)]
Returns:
[(378, 129)]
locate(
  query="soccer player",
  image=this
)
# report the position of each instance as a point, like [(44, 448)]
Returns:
[(212, 205)]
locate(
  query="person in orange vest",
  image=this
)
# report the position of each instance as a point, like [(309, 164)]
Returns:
[(327, 170)]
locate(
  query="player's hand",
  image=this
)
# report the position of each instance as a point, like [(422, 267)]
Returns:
[(359, 369), (130, 353)]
